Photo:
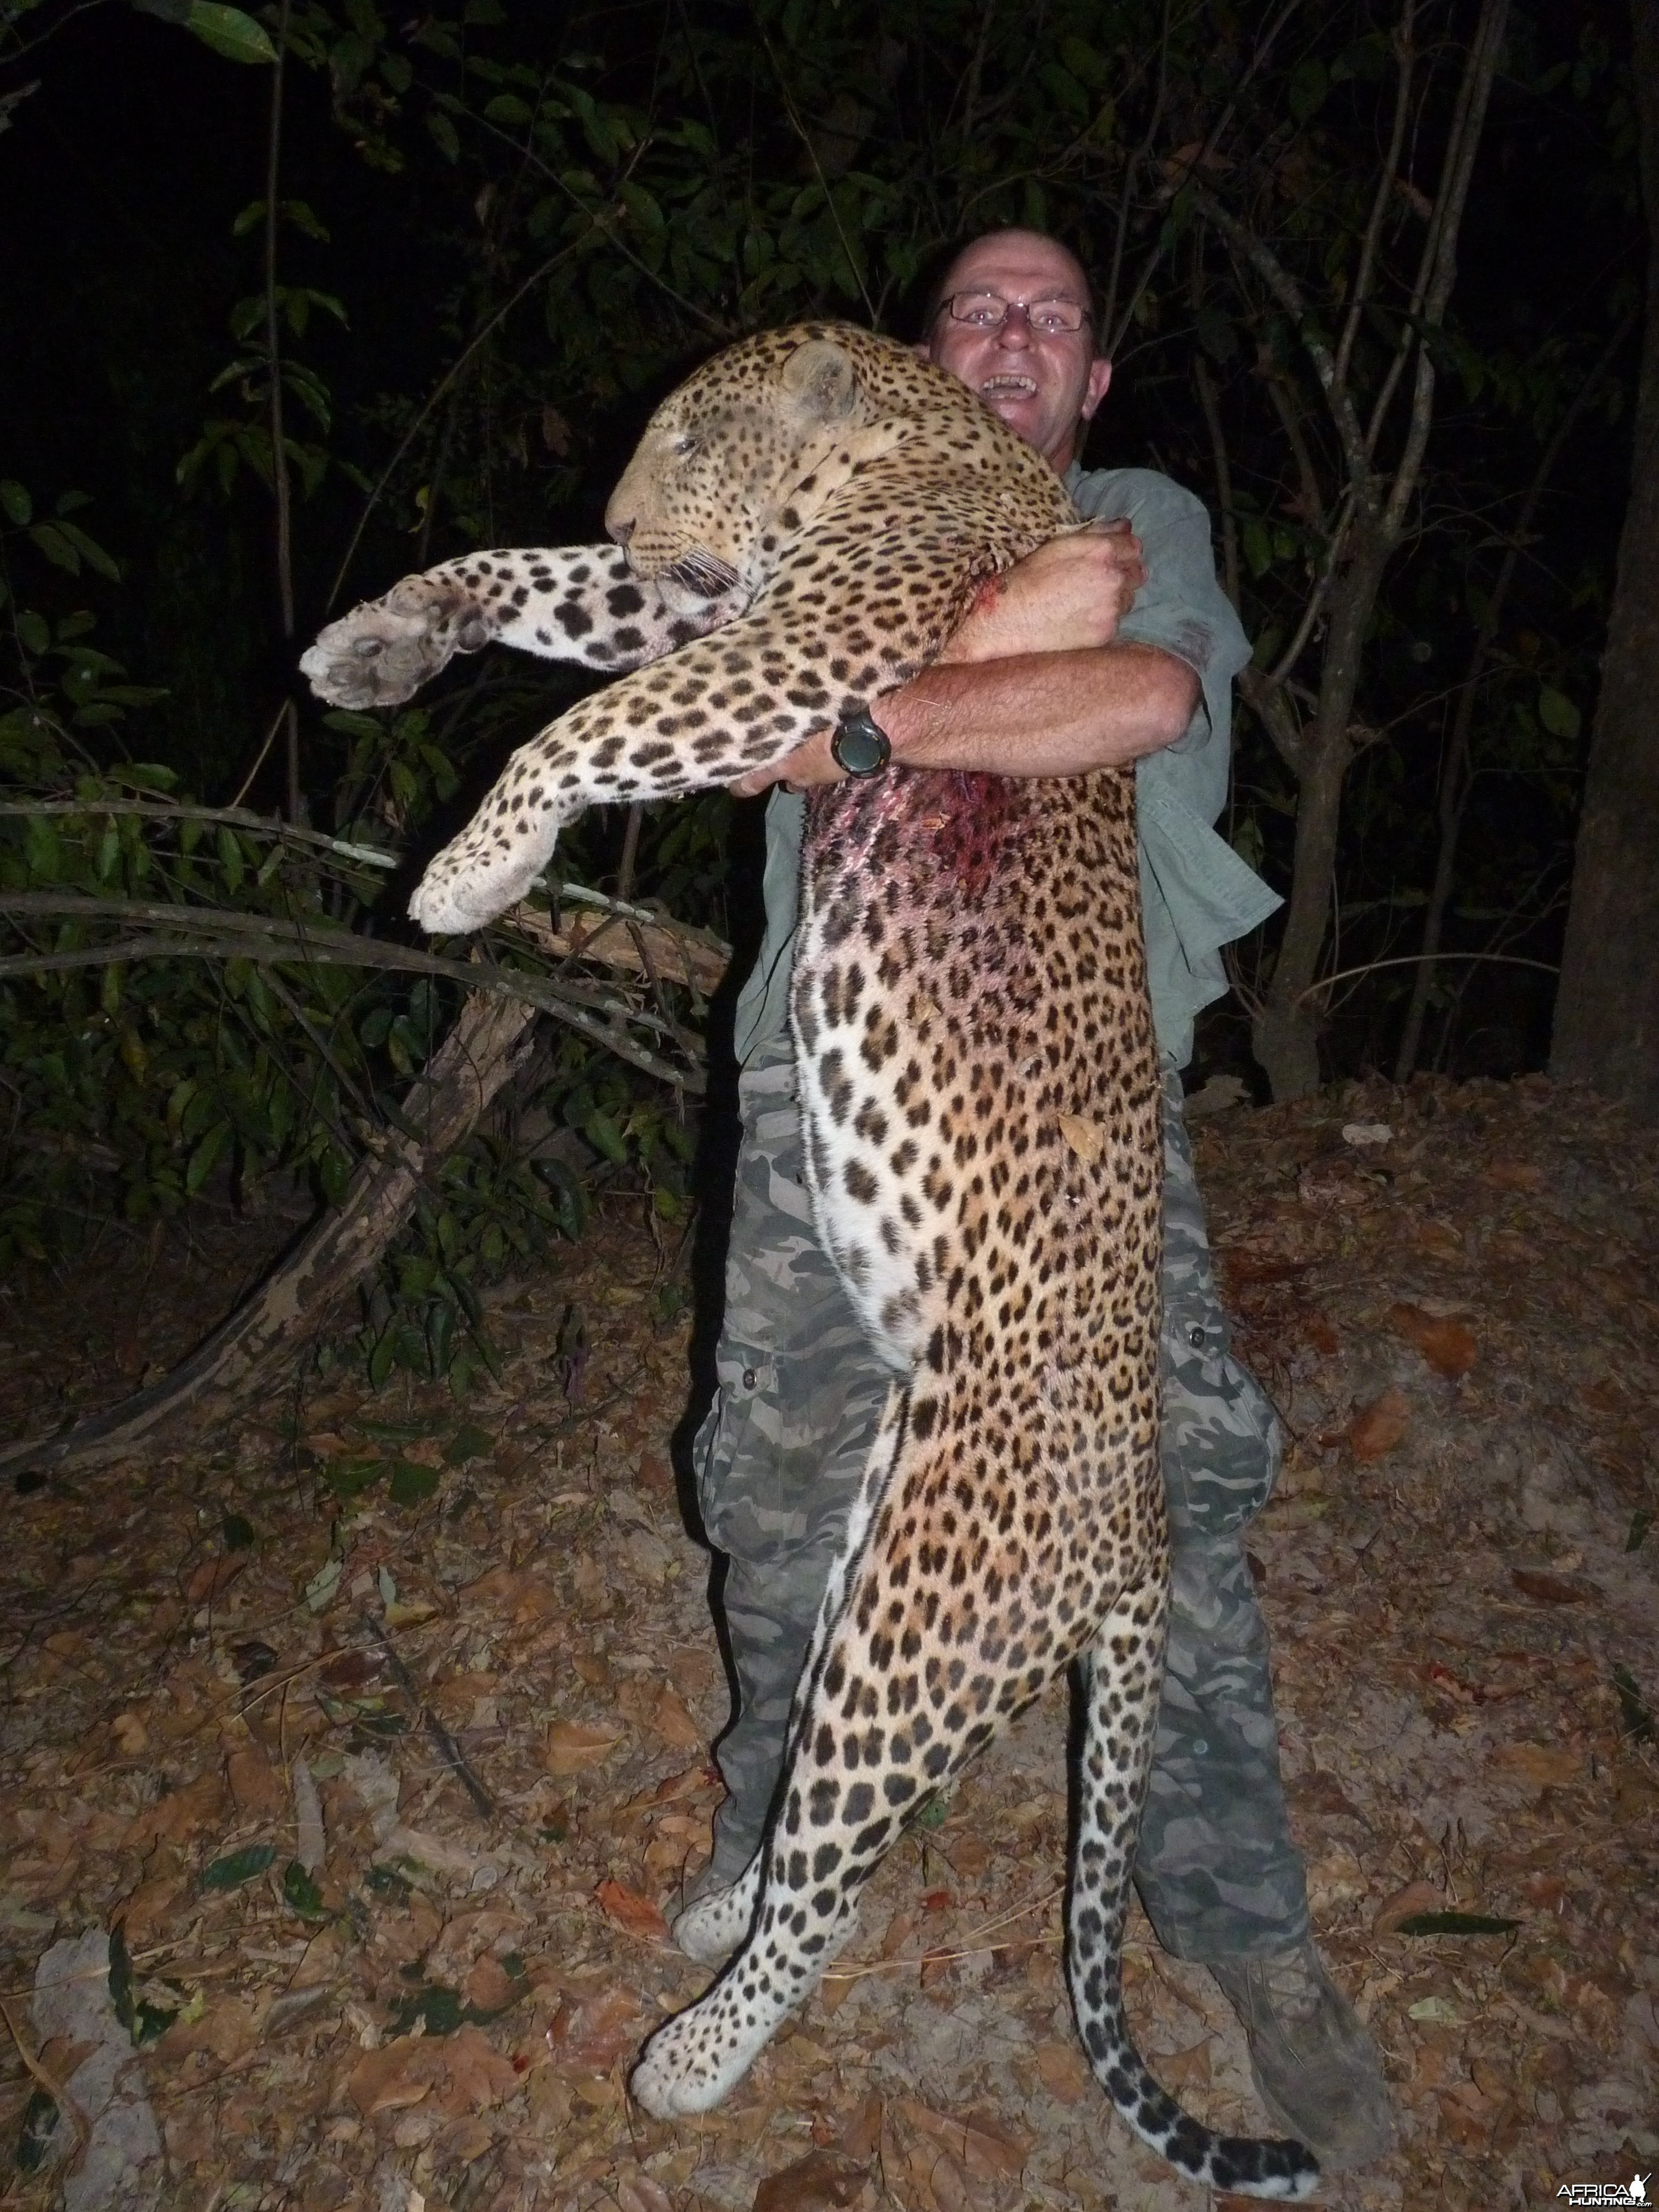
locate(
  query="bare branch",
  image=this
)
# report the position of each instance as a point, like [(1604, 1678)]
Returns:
[(1115, 329), (1268, 703), (1415, 959), (1406, 54), (1474, 94), (1111, 330), (1286, 289), (1312, 498), (1210, 400)]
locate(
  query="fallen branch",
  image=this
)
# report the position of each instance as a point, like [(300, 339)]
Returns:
[(235, 1364), (217, 934)]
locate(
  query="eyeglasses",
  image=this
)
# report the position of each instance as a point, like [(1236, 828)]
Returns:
[(989, 311)]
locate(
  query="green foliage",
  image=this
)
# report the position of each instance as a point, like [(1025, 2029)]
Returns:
[(152, 1072)]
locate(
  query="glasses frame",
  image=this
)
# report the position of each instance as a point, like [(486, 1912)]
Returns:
[(948, 307)]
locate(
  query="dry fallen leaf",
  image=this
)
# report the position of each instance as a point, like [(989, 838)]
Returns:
[(671, 1718), (1552, 1590), (1378, 1427), (862, 2133), (178, 1816), (1416, 1897), (1063, 2071), (899, 1930), (214, 1577), (593, 2031), (1515, 1175), (639, 2192), (489, 1986), (572, 1746), (472, 2073), (1085, 1138), (1438, 1239), (398, 2074), (1547, 1765), (823, 2181), (145, 1912), (631, 1911), (1448, 1345), (130, 1735), (255, 1783), (1184, 2069)]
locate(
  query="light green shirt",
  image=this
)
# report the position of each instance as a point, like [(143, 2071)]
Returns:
[(1196, 893)]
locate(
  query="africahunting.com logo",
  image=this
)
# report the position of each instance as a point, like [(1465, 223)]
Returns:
[(1633, 2191)]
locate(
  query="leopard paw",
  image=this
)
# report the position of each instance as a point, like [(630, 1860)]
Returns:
[(470, 881), (711, 1930), (382, 652), (693, 2063)]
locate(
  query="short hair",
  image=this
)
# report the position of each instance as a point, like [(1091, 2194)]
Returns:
[(942, 263)]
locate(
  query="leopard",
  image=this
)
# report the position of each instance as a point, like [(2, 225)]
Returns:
[(804, 523)]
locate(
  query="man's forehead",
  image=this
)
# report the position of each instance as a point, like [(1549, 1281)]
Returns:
[(1018, 261)]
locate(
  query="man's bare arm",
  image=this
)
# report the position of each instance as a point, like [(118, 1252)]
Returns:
[(1031, 683)]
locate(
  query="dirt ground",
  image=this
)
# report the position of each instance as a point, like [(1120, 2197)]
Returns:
[(379, 1733)]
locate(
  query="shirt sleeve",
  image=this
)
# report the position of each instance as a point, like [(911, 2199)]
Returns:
[(1197, 895), (1180, 607)]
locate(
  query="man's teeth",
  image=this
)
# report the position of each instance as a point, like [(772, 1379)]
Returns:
[(1009, 384)]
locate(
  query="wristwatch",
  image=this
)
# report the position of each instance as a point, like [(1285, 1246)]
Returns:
[(858, 746)]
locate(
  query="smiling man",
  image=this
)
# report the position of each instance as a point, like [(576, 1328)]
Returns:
[(1109, 648)]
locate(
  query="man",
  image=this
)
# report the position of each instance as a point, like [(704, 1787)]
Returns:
[(1107, 647)]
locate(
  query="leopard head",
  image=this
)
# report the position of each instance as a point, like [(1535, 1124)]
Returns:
[(707, 497)]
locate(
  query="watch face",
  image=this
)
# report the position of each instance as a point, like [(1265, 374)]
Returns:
[(859, 747)]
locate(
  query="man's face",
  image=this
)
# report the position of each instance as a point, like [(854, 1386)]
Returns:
[(1045, 387)]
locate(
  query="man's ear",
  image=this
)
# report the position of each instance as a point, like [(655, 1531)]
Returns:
[(1100, 377), (819, 373)]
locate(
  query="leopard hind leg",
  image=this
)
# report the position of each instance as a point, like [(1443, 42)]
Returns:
[(871, 1745), (1123, 1678), (710, 1929)]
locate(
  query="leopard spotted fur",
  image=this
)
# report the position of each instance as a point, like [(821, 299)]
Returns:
[(804, 524)]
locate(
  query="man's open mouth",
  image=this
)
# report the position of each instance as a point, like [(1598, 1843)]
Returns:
[(996, 387)]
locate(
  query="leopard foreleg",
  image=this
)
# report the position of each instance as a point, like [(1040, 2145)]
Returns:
[(580, 603), (1123, 1679), (811, 648)]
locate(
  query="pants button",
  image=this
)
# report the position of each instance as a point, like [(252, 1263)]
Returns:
[(750, 1378)]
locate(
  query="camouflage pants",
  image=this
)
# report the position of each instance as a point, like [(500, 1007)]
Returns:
[(778, 1464)]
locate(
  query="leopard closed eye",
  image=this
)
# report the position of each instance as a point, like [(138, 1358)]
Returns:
[(803, 526)]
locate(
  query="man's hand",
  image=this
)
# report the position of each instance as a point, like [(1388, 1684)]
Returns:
[(808, 765), (1067, 597)]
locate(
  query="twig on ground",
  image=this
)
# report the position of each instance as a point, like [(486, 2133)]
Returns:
[(448, 1750)]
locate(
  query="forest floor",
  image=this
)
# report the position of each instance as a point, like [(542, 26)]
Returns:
[(224, 1668)]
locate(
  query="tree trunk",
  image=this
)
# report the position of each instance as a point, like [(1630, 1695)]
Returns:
[(1606, 1011), (1284, 1034), (238, 1361)]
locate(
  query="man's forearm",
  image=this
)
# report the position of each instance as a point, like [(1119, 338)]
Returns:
[(1046, 714)]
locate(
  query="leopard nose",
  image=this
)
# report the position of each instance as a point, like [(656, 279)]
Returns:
[(621, 532)]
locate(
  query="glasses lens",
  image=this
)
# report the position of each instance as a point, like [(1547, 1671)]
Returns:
[(982, 310)]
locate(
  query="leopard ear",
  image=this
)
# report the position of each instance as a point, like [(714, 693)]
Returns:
[(819, 373)]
